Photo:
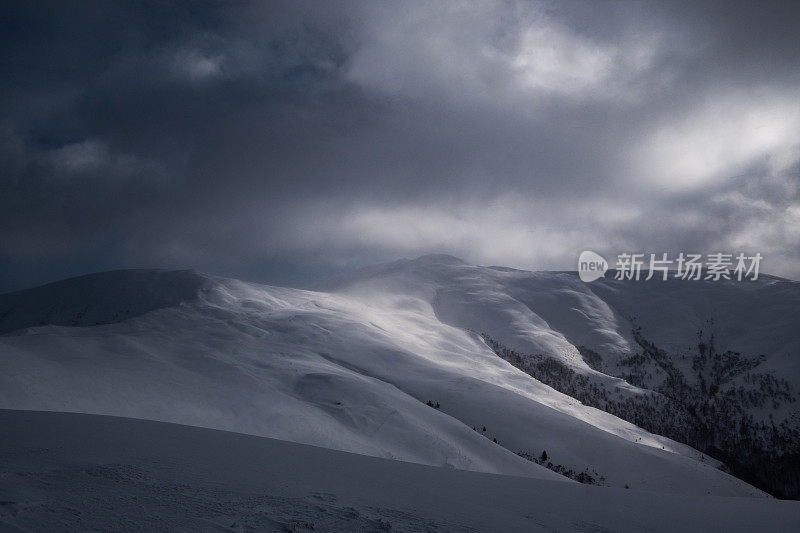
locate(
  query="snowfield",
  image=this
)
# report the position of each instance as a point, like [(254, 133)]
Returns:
[(71, 472), (352, 367), (349, 369)]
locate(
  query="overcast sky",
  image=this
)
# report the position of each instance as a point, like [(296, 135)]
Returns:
[(281, 142)]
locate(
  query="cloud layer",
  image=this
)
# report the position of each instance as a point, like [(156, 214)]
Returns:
[(282, 141)]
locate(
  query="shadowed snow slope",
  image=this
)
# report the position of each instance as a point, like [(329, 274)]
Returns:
[(352, 368), (70, 472), (95, 299)]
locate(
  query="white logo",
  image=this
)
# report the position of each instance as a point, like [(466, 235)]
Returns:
[(591, 266)]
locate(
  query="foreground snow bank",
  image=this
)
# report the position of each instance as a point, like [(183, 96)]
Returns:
[(67, 472)]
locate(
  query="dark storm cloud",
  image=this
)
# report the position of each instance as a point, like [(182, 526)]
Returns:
[(276, 141)]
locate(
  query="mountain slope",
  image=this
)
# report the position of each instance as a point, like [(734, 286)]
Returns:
[(710, 363), (68, 472), (350, 370), (96, 299)]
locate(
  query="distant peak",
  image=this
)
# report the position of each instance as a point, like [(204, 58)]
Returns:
[(439, 259)]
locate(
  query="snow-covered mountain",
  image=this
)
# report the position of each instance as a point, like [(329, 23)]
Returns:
[(355, 366), (715, 364)]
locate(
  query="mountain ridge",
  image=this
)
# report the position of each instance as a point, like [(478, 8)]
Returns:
[(353, 368)]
